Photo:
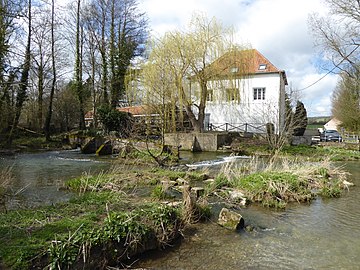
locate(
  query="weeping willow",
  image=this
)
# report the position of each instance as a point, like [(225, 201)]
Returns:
[(182, 69)]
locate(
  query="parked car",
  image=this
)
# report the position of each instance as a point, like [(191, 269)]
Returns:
[(330, 136)]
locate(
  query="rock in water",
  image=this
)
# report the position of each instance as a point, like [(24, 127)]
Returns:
[(230, 219), (90, 145), (105, 149)]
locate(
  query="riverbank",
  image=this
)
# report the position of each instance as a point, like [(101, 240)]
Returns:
[(121, 213), (249, 146), (105, 225)]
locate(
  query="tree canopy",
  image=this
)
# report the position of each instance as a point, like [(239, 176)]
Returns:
[(179, 60), (346, 102), (94, 41)]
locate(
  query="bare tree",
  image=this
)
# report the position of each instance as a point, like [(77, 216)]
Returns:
[(9, 11), (338, 34), (120, 30), (22, 89), (54, 75), (96, 22), (41, 59), (78, 66)]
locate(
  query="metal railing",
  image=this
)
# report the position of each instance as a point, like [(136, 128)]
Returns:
[(242, 127)]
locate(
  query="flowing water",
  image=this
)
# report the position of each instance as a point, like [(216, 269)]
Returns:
[(39, 177), (322, 235)]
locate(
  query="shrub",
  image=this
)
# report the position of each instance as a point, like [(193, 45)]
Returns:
[(114, 120)]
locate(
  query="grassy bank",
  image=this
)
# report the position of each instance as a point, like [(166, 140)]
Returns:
[(94, 230), (121, 213), (327, 151), (108, 223), (277, 183)]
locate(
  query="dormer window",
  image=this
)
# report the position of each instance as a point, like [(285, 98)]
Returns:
[(234, 69), (262, 66)]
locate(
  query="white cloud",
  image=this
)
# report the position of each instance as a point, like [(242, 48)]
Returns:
[(277, 28), (318, 97)]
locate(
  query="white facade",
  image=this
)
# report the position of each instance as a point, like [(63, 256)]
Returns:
[(333, 124), (250, 102), (244, 109)]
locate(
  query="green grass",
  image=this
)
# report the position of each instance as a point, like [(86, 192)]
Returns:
[(317, 153), (27, 233), (159, 193), (274, 189), (282, 181), (59, 233), (125, 180), (35, 142)]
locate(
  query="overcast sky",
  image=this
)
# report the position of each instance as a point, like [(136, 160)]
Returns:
[(277, 28)]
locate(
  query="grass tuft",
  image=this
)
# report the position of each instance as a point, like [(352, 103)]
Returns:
[(281, 181)]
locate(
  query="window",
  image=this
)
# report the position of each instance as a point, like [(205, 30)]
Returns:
[(234, 69), (259, 93), (230, 94), (210, 95), (262, 66)]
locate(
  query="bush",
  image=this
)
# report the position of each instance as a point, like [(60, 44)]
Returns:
[(114, 120)]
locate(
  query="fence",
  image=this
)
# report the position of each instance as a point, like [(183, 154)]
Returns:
[(351, 137), (245, 127)]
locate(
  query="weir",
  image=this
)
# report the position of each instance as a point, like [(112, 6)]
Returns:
[(209, 141)]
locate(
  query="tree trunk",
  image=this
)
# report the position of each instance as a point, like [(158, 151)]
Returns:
[(53, 84), (78, 70), (93, 90), (21, 94), (197, 123), (40, 92), (113, 87), (104, 72)]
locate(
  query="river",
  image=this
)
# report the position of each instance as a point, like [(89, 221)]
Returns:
[(39, 177), (322, 235)]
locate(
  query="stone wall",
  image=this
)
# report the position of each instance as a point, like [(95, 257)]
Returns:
[(196, 141), (301, 140)]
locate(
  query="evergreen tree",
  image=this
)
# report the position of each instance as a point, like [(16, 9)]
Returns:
[(300, 119)]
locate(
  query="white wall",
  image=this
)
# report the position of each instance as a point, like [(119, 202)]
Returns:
[(245, 109)]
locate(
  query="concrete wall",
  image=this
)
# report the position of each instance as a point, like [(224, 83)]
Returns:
[(196, 141)]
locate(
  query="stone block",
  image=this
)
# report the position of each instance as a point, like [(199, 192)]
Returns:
[(230, 219)]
